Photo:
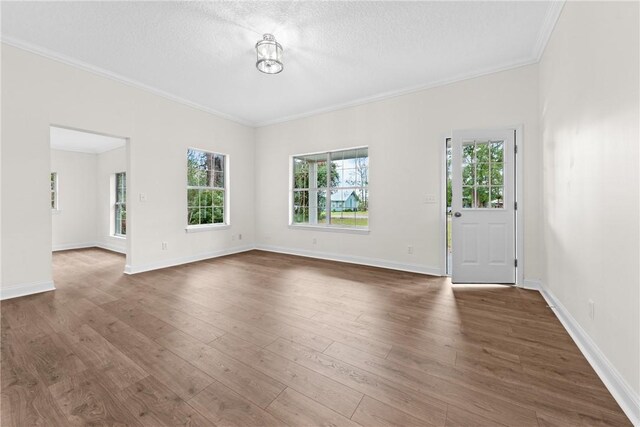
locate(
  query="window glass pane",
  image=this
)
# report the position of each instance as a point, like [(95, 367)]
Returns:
[(120, 187), (497, 173), (496, 197), (362, 167), (218, 163), (206, 215), (482, 152), (218, 181), (343, 218), (196, 168), (193, 216), (301, 206), (218, 198), (362, 213), (468, 174), (467, 197), (482, 197), (193, 198), (218, 215), (468, 153), (321, 173), (322, 207), (206, 198), (482, 170), (497, 151), (300, 173), (301, 215)]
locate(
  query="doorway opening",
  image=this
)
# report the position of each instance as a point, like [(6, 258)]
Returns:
[(89, 179)]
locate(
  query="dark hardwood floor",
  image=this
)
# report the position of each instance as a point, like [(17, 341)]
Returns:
[(265, 339)]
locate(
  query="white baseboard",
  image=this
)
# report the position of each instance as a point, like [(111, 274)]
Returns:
[(373, 262), (111, 247), (23, 289), (621, 391), (69, 246), (532, 284), (135, 269), (103, 245)]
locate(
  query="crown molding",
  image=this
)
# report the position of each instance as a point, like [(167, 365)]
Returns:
[(404, 91), (549, 23), (49, 54), (551, 17)]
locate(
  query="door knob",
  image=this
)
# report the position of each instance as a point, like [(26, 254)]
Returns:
[(457, 214)]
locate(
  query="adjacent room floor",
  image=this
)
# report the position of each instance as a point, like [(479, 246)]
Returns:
[(268, 339)]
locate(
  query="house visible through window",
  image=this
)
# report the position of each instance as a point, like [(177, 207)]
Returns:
[(206, 188), (54, 190), (121, 204), (331, 189)]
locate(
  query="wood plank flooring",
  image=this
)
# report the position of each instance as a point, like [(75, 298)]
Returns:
[(263, 339)]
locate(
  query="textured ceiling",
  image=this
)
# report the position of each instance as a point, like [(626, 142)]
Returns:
[(83, 142), (335, 53)]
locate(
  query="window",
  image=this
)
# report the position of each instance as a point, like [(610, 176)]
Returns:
[(482, 174), (330, 189), (54, 190), (206, 188), (120, 206)]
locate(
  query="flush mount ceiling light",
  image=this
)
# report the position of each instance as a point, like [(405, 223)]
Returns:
[(269, 53)]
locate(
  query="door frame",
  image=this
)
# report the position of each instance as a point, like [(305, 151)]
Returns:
[(519, 199), (130, 205)]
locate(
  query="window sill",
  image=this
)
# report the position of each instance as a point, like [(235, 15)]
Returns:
[(56, 211), (330, 229), (115, 236), (208, 227)]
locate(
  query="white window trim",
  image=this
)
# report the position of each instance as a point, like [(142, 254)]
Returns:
[(226, 208), (206, 227), (321, 227)]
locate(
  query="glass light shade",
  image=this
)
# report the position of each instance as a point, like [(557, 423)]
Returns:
[(269, 55)]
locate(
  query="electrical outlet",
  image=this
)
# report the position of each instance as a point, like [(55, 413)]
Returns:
[(592, 309), (239, 236), (410, 249), (165, 246), (143, 197), (314, 241)]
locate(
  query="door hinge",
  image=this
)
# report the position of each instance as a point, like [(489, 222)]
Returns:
[(515, 205), (515, 262), (515, 148)]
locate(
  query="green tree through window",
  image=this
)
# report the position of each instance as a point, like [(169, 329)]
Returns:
[(205, 187)]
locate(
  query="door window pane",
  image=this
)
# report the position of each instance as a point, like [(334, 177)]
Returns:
[(482, 174)]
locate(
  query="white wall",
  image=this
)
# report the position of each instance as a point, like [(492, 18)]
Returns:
[(109, 163), (38, 92), (405, 136), (74, 224), (589, 91)]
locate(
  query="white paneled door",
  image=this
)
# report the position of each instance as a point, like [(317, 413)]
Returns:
[(483, 206)]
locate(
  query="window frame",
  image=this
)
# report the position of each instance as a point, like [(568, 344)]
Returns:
[(54, 191), (328, 189), (119, 204), (226, 223)]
